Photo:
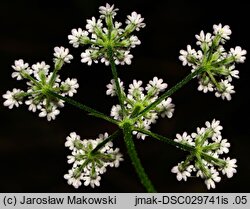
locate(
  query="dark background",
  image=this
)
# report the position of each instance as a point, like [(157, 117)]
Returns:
[(32, 152)]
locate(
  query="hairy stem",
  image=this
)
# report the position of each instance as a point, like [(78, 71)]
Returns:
[(110, 138), (91, 111), (213, 80), (170, 92), (117, 84), (58, 66), (216, 161), (27, 76), (185, 147), (135, 159)]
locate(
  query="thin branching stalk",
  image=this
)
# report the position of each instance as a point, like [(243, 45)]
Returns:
[(90, 110)]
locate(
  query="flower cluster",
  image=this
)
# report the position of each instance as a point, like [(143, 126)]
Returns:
[(88, 163), (111, 38), (40, 82), (140, 107), (206, 146), (218, 65), (135, 101)]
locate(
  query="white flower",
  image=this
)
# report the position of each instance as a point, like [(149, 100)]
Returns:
[(102, 170), (118, 158), (232, 73), (136, 100), (151, 117), (215, 127), (224, 145), (238, 54), (118, 25), (142, 125), (92, 23), (19, 67), (156, 85), (200, 132), (100, 37), (32, 106), (229, 169), (210, 182), (202, 38), (198, 55), (116, 112), (86, 57), (199, 174), (135, 88), (107, 11), (87, 166), (108, 145), (71, 85), (224, 31), (205, 87), (57, 80), (76, 36), (126, 59), (88, 180), (132, 99), (112, 87), (71, 140), (227, 90), (11, 99), (134, 41), (105, 61), (136, 20), (184, 138), (182, 174), (76, 182), (71, 159), (62, 53), (38, 67), (49, 114), (166, 108), (184, 55)]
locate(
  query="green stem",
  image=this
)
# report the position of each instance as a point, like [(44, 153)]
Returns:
[(135, 159), (213, 80), (204, 170), (110, 138), (80, 169), (213, 146), (170, 92), (53, 77), (58, 66), (216, 161), (109, 22), (135, 111), (215, 44), (91, 111), (185, 147), (115, 75), (226, 61), (185, 164), (203, 137), (25, 94), (27, 76)]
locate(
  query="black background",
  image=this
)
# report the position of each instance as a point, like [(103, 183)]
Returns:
[(32, 152)]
